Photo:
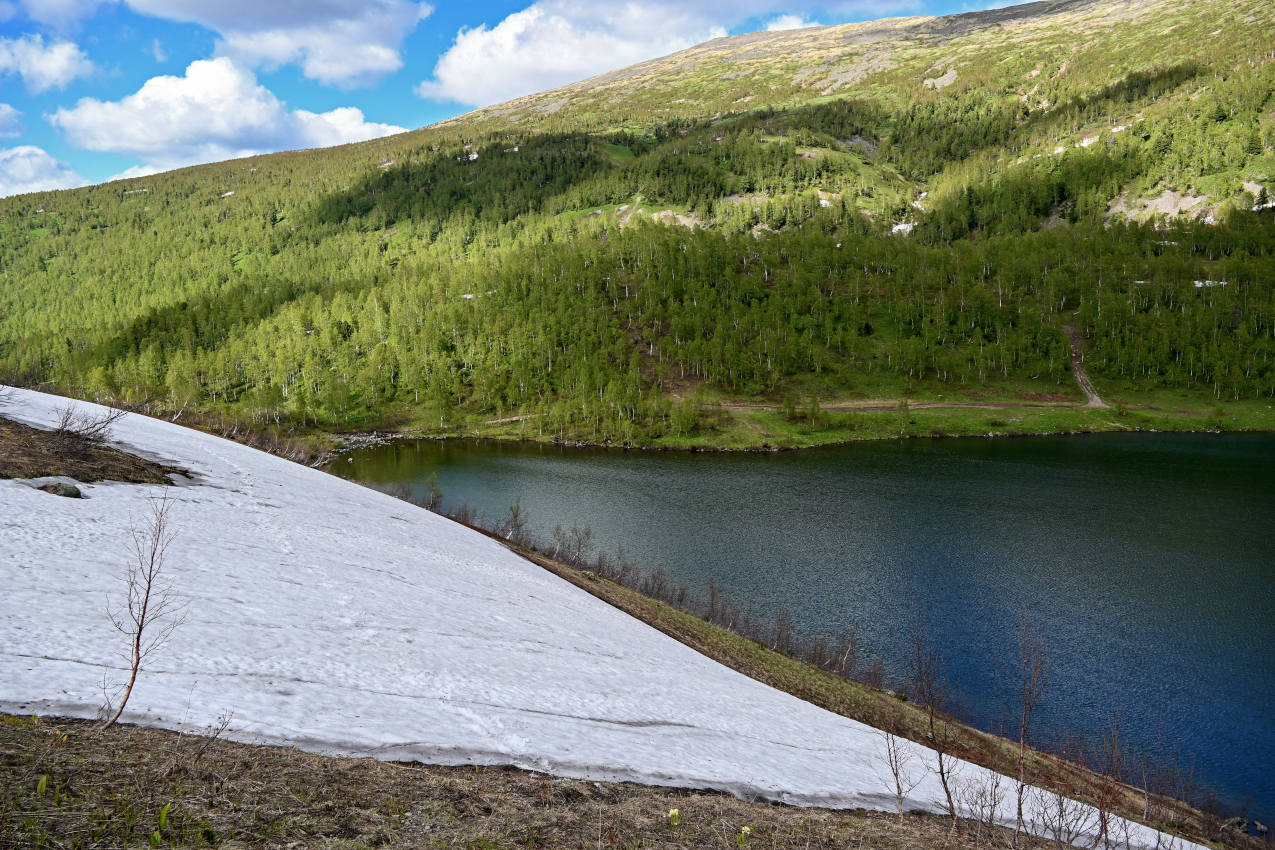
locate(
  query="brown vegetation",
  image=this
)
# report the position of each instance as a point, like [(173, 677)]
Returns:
[(27, 452), (65, 784)]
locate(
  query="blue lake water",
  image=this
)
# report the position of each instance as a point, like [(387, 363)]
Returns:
[(1146, 560)]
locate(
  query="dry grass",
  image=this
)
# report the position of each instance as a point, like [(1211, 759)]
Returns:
[(63, 784), (27, 452)]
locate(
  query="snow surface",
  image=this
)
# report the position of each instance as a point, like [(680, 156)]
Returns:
[(340, 620)]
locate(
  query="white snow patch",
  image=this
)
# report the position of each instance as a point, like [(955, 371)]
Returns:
[(904, 227), (335, 618)]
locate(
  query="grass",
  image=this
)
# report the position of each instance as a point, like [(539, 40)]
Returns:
[(65, 785), (27, 452)]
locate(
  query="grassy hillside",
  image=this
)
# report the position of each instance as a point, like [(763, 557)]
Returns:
[(765, 240)]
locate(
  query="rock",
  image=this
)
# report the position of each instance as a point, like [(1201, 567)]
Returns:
[(58, 488)]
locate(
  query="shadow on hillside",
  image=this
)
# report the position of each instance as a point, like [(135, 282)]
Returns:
[(493, 182), (208, 320)]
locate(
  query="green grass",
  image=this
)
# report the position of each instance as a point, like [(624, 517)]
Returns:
[(619, 154)]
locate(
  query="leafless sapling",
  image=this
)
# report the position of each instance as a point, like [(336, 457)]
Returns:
[(1061, 818), (1026, 678), (151, 609), (899, 757), (930, 689), (980, 797)]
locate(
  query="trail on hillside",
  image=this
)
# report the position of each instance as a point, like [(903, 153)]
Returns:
[(1082, 377)]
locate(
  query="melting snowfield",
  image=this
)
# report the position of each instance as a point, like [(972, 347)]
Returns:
[(337, 619)]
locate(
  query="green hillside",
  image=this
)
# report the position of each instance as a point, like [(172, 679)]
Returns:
[(770, 239)]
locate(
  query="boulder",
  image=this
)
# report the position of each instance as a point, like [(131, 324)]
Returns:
[(59, 488)]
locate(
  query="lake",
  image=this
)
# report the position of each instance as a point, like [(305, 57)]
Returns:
[(1146, 560)]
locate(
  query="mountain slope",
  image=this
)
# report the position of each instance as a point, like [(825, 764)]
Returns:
[(836, 217)]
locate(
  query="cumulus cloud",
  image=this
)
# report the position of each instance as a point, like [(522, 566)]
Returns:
[(216, 111), (789, 22), (10, 126), (43, 66), (334, 41), (135, 171), (554, 42), (27, 168), (60, 13)]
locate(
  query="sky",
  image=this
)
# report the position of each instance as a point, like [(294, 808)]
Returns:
[(96, 90)]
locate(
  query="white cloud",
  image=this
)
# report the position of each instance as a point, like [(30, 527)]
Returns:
[(334, 41), (43, 66), (135, 171), (10, 126), (554, 42), (216, 111), (158, 51), (30, 169), (60, 13), (789, 22)]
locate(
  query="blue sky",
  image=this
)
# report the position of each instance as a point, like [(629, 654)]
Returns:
[(91, 90)]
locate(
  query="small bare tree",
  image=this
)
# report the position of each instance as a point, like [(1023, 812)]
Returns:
[(898, 758), (1061, 818), (1026, 679), (980, 799), (931, 691), (572, 546), (514, 527), (151, 609)]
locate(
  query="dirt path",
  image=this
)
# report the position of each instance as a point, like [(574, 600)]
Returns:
[(878, 405), (1082, 377)]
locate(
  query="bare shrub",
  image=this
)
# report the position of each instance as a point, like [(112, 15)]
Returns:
[(979, 799), (899, 758), (1061, 818), (466, 514), (1026, 678), (930, 687), (514, 527), (81, 428), (874, 675), (572, 546), (151, 609), (1107, 761)]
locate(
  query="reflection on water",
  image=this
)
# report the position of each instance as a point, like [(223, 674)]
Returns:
[(1146, 559)]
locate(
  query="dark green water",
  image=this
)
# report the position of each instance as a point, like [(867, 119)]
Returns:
[(1147, 560)]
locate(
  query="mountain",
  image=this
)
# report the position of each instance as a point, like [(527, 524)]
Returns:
[(906, 226)]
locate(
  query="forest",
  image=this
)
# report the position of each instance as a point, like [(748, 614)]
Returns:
[(612, 283)]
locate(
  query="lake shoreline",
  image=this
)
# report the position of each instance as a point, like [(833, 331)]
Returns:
[(355, 440), (1081, 532)]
